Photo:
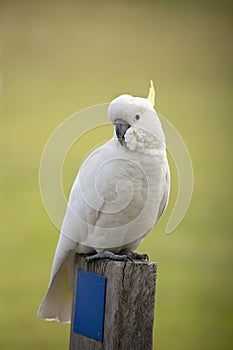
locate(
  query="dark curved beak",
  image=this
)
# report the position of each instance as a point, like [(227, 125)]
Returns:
[(121, 127)]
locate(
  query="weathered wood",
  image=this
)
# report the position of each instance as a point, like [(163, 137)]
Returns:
[(129, 305)]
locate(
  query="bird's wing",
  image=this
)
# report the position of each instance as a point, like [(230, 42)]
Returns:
[(56, 304), (94, 197)]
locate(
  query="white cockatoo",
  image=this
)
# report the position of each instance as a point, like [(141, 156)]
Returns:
[(118, 196)]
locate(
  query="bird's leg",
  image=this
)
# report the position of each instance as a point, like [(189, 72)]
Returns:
[(133, 255), (106, 255)]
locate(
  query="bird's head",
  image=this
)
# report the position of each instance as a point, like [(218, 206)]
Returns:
[(136, 121)]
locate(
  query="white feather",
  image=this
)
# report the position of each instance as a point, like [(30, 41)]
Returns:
[(118, 196)]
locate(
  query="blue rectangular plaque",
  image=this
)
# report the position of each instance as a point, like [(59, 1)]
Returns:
[(89, 304)]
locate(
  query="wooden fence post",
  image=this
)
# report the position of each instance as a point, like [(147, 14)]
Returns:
[(129, 305)]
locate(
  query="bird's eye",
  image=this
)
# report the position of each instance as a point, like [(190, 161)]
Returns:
[(137, 117)]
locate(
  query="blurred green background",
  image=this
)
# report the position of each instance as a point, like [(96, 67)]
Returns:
[(57, 57)]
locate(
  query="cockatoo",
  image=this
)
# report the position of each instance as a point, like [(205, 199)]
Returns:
[(118, 196)]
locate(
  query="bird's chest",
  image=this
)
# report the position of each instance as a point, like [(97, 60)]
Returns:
[(130, 185)]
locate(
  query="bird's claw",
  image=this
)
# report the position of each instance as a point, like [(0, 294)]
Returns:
[(124, 255), (106, 255), (134, 256)]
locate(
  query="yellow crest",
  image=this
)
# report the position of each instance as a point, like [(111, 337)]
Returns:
[(151, 96)]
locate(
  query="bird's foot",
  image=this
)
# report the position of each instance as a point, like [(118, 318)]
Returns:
[(134, 256), (124, 255), (106, 255)]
